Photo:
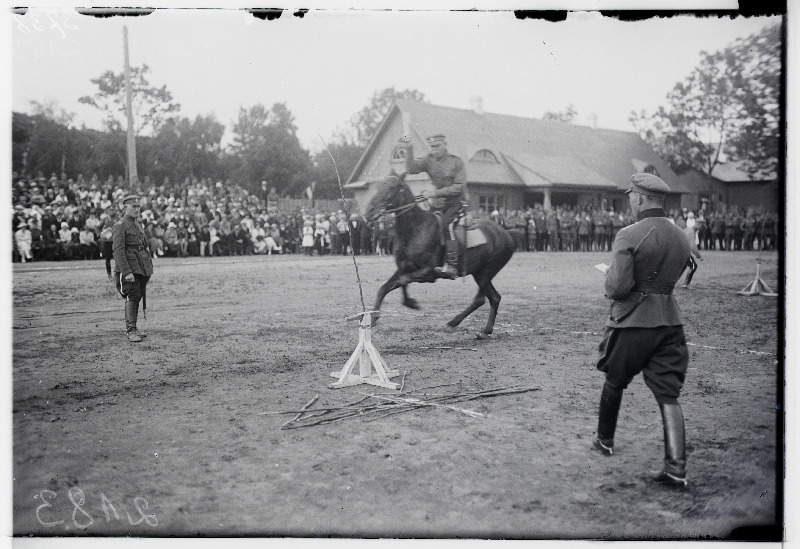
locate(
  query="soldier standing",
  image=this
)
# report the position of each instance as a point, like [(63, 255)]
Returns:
[(133, 265), (644, 332)]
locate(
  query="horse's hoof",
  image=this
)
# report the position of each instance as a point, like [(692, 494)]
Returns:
[(450, 329), (412, 304), (483, 335), (374, 321)]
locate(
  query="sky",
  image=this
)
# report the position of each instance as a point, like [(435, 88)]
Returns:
[(327, 65)]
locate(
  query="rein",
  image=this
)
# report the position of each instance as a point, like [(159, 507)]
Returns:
[(400, 210)]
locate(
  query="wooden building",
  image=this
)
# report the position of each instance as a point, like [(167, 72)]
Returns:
[(515, 162)]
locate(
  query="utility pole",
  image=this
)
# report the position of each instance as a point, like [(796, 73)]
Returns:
[(132, 174)]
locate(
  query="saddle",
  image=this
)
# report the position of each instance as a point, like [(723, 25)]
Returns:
[(467, 232)]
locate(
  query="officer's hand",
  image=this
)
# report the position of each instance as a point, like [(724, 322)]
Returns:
[(129, 277)]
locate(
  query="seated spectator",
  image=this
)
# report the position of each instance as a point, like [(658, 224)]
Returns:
[(88, 248), (23, 241), (171, 245), (65, 238), (74, 243)]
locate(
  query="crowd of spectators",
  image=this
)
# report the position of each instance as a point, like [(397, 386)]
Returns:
[(62, 219), (587, 228)]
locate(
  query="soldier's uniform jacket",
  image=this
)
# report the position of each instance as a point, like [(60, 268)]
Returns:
[(131, 251), (648, 259), (447, 174)]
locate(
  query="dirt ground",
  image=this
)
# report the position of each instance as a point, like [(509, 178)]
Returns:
[(167, 437)]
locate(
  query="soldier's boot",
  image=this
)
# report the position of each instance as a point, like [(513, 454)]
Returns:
[(610, 402), (131, 314), (673, 473), (450, 269)]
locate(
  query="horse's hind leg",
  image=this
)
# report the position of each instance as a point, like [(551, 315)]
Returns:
[(479, 300), (494, 304)]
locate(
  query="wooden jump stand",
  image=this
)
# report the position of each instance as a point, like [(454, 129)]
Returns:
[(372, 369), (758, 286)]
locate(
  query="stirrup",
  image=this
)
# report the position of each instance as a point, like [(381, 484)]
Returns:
[(446, 272)]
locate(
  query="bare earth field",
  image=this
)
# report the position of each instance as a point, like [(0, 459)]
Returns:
[(167, 437)]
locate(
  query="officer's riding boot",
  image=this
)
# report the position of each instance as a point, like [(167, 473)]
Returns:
[(450, 268), (674, 472), (131, 313), (610, 402)]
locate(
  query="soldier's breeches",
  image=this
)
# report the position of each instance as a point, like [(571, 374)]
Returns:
[(131, 291), (660, 354)]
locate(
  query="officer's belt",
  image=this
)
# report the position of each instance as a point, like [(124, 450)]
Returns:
[(646, 287)]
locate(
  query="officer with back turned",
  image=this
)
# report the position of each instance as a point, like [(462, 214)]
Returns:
[(644, 332)]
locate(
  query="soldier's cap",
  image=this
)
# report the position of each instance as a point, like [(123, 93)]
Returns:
[(649, 185), (435, 138), (130, 199)]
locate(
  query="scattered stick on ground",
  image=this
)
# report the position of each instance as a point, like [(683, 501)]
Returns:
[(386, 404)]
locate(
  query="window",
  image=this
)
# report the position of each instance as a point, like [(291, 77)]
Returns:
[(651, 170), (488, 203), (485, 155), (399, 154)]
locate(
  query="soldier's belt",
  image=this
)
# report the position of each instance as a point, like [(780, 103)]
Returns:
[(653, 288)]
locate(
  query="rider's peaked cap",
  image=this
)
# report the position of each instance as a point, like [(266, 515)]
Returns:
[(130, 199), (648, 184), (435, 138)]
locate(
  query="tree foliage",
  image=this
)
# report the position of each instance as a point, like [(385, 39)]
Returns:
[(185, 148), (150, 105), (567, 115), (729, 104), (346, 153), (266, 146), (366, 121)]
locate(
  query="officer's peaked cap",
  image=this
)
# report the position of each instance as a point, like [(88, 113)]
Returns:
[(435, 138), (648, 184), (130, 199)]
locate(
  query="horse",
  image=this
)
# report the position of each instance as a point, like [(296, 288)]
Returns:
[(418, 249)]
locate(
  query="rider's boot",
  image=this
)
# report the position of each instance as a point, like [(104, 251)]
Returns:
[(449, 269)]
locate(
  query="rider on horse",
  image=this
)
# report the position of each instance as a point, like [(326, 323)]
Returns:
[(449, 176)]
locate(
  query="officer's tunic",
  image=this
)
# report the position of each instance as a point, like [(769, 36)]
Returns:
[(131, 255), (644, 332), (447, 174)]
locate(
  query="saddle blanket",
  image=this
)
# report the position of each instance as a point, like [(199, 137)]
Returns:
[(474, 235)]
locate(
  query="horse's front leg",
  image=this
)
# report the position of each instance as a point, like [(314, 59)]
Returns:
[(409, 301), (388, 286)]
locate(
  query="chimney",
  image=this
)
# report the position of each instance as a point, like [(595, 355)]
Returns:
[(476, 101)]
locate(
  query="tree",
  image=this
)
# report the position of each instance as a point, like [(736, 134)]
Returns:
[(346, 153), (51, 110), (150, 105), (567, 116), (184, 147), (266, 146), (366, 121), (730, 103)]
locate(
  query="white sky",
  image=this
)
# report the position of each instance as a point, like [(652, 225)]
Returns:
[(326, 66)]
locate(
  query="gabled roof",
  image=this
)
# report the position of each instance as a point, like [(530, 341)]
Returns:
[(733, 171), (532, 152)]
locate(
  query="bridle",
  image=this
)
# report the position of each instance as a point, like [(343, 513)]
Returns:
[(400, 210)]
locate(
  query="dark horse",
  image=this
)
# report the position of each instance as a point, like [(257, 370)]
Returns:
[(418, 249)]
